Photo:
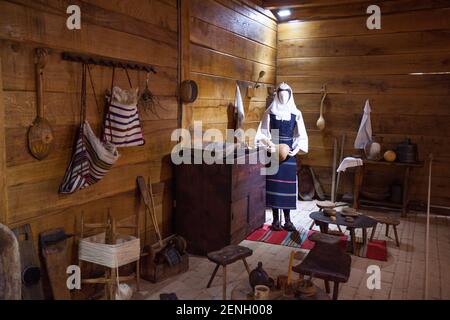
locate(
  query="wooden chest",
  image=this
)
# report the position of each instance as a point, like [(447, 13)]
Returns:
[(219, 204)]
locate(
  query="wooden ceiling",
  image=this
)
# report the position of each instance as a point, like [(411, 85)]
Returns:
[(277, 4), (315, 9)]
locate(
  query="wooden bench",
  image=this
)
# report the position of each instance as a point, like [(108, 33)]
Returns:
[(388, 221), (226, 256), (328, 263)]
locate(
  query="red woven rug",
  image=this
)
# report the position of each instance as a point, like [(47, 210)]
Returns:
[(376, 249)]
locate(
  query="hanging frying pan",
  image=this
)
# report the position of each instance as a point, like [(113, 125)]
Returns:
[(40, 133)]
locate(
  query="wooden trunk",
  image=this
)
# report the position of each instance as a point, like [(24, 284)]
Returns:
[(218, 204)]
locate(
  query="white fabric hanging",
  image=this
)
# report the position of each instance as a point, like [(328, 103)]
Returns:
[(283, 111), (239, 108), (365, 129), (240, 114), (349, 162)]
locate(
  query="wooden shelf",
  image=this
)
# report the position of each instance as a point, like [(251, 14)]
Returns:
[(381, 203), (399, 164)]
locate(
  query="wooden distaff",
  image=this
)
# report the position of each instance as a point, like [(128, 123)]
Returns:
[(40, 133)]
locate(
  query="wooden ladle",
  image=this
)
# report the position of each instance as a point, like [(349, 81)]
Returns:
[(40, 133), (321, 121)]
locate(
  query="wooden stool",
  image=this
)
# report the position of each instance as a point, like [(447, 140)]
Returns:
[(388, 221), (326, 263), (226, 256)]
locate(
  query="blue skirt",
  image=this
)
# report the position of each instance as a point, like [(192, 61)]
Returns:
[(281, 188)]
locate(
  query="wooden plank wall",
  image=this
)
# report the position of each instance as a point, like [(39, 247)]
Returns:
[(144, 31), (332, 46), (229, 40)]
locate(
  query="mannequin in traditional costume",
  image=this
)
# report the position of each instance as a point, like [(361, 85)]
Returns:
[(282, 123)]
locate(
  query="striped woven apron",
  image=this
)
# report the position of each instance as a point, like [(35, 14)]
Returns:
[(281, 188), (91, 158)]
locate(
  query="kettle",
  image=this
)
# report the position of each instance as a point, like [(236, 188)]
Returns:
[(407, 152), (260, 277)]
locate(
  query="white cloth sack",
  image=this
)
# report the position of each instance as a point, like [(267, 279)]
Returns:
[(349, 162), (365, 129)]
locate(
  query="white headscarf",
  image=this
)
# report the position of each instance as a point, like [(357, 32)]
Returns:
[(283, 112)]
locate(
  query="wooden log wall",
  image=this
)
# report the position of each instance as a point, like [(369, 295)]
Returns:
[(229, 40), (143, 31), (332, 46)]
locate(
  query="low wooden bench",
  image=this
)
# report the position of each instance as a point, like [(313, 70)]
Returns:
[(326, 263), (226, 256), (388, 221)]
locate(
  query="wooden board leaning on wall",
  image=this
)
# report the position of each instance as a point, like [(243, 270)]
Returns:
[(3, 175)]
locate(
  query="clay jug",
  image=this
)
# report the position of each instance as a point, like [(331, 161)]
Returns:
[(260, 277)]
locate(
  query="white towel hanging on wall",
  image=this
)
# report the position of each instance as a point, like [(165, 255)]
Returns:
[(365, 129), (239, 112)]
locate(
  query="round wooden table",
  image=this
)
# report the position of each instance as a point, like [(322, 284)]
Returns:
[(361, 222), (243, 291)]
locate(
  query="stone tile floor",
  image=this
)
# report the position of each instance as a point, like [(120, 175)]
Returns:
[(402, 276)]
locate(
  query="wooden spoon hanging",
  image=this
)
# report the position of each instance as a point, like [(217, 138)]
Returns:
[(40, 133)]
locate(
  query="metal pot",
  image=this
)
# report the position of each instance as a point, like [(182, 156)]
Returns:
[(407, 152)]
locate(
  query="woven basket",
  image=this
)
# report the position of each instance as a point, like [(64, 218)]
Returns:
[(126, 250)]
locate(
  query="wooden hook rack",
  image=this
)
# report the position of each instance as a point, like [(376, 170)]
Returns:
[(106, 61)]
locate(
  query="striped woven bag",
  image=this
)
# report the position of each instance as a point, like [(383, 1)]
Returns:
[(122, 125), (91, 159)]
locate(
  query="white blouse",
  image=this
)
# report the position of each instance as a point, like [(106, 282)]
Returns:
[(300, 138)]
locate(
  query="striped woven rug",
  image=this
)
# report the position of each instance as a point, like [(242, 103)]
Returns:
[(376, 249)]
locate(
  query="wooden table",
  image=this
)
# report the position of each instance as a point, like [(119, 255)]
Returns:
[(360, 222), (359, 178)]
